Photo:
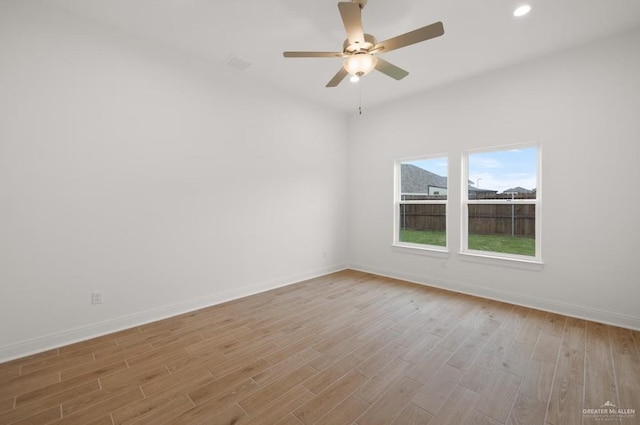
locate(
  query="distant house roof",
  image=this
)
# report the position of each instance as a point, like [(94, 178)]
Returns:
[(518, 190), (418, 180), (478, 189)]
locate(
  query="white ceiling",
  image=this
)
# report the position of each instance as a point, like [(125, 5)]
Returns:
[(480, 35)]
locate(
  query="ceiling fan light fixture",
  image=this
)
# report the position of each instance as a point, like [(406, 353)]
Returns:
[(360, 48), (360, 64), (354, 79), (522, 10)]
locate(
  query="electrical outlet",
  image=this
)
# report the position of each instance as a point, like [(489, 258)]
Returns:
[(96, 297)]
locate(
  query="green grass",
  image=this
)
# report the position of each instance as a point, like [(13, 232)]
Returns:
[(424, 237), (519, 245)]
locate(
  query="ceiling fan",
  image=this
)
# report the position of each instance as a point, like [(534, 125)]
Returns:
[(359, 49)]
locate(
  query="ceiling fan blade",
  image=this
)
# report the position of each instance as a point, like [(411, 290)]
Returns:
[(421, 34), (352, 19), (390, 69), (337, 78), (313, 54)]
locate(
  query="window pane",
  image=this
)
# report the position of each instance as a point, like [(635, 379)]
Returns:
[(424, 180), (507, 228), (423, 224), (503, 174)]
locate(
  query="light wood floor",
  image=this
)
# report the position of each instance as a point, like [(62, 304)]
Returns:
[(348, 348)]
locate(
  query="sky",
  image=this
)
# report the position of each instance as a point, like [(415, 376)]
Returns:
[(435, 165), (495, 170)]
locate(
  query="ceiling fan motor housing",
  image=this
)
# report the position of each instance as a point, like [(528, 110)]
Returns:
[(369, 42)]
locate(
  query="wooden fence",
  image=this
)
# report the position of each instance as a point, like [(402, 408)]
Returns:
[(423, 217), (502, 219)]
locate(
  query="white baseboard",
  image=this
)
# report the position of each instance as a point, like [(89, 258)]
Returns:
[(573, 310), (70, 336)]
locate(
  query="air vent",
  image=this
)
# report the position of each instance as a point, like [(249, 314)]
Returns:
[(237, 63)]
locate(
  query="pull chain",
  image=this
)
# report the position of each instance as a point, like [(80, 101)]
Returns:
[(360, 97)]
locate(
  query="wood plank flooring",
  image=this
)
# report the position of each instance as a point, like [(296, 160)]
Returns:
[(345, 349)]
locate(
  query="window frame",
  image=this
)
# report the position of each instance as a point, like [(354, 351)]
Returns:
[(397, 195), (465, 202)]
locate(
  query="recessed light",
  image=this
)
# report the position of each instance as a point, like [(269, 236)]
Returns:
[(522, 10)]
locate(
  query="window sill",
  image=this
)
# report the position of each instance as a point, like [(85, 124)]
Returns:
[(429, 251), (512, 262)]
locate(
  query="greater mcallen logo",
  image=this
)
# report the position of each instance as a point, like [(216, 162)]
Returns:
[(609, 412)]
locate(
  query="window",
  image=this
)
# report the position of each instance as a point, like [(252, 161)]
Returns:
[(501, 202), (421, 203)]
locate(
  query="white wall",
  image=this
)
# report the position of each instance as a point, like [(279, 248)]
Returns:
[(166, 184), (583, 105)]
